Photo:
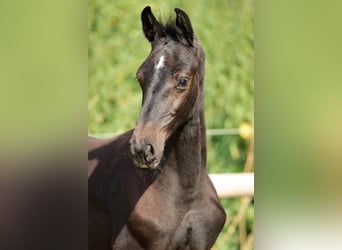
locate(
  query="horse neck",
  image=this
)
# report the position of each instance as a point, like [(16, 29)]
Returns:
[(190, 148)]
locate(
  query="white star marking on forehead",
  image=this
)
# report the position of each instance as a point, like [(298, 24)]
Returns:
[(160, 62)]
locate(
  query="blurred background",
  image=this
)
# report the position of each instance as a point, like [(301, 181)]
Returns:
[(117, 47)]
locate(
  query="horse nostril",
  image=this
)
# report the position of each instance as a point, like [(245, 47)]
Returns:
[(131, 142), (150, 148), (133, 146), (149, 153)]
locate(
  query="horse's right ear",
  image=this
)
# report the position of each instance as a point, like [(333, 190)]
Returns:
[(151, 27)]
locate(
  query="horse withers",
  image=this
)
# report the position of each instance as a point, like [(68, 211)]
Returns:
[(149, 188)]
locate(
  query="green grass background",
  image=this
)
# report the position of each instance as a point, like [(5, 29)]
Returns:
[(117, 47)]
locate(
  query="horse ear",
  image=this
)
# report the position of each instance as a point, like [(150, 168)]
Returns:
[(151, 27), (184, 26)]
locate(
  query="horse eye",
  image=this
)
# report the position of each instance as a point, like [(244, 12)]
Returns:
[(183, 82)]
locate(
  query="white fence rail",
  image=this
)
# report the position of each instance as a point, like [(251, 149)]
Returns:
[(210, 132), (233, 184)]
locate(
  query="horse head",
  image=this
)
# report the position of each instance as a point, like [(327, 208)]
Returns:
[(171, 80)]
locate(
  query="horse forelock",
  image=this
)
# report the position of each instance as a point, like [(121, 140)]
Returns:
[(170, 31)]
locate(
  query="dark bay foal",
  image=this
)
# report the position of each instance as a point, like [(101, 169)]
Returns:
[(149, 188)]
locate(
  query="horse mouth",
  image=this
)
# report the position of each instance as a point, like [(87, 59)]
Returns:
[(146, 165)]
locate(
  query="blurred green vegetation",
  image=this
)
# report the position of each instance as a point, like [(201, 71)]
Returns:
[(117, 47)]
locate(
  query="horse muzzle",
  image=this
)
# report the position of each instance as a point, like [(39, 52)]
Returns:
[(144, 154)]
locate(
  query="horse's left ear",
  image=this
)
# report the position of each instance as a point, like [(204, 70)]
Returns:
[(184, 26)]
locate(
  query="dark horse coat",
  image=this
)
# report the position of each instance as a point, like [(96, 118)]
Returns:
[(149, 188)]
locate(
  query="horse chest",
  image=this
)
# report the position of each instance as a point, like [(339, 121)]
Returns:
[(159, 223), (154, 217)]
